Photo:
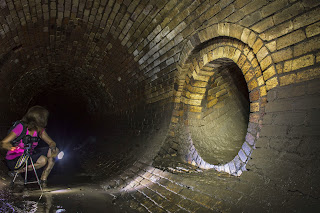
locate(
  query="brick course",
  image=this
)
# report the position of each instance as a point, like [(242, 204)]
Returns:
[(136, 59)]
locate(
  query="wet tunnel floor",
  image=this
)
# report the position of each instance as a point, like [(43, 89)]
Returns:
[(78, 195), (153, 190)]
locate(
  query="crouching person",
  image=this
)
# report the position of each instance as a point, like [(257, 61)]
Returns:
[(32, 125)]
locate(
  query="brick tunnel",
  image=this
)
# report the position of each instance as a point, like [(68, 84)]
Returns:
[(171, 106)]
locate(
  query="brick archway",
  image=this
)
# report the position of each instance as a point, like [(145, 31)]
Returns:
[(248, 37), (198, 69)]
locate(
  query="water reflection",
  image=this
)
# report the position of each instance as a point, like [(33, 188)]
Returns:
[(88, 198)]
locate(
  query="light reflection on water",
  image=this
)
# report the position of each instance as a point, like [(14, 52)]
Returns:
[(57, 200), (28, 201)]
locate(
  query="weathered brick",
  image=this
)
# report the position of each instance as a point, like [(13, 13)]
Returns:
[(305, 131), (246, 148), (306, 19), (174, 187), (169, 206), (253, 128), (303, 61), (266, 62), (288, 79), (282, 55), (254, 95), (255, 64), (279, 68), (242, 156), (263, 25), (272, 46), (250, 56), (252, 84), (252, 38), (267, 74), (196, 89), (197, 197), (313, 29), (239, 4), (249, 75), (254, 107), (290, 118), (245, 35), (287, 67), (221, 93), (236, 56), (212, 103), (251, 19), (271, 83), (273, 131), (308, 74), (241, 61), (153, 195), (195, 109), (245, 67), (307, 103), (278, 31), (194, 102), (225, 12), (188, 205), (290, 39), (250, 138), (155, 208), (199, 84), (236, 16), (263, 91), (273, 7), (263, 52), (288, 13), (291, 91), (223, 29), (253, 6), (236, 31), (306, 46)]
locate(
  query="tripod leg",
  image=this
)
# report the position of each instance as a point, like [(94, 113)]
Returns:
[(35, 172), (26, 173), (14, 178)]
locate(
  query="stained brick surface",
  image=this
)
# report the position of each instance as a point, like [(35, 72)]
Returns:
[(156, 68)]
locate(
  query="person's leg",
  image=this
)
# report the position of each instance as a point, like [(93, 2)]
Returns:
[(41, 162), (48, 167)]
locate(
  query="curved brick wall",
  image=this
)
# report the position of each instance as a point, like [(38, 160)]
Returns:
[(219, 134), (147, 66)]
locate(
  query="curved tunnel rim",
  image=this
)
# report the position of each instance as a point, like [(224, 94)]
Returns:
[(242, 158)]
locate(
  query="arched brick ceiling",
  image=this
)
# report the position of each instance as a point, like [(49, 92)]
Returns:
[(58, 38)]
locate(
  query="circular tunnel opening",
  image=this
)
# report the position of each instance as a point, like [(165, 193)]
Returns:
[(220, 133)]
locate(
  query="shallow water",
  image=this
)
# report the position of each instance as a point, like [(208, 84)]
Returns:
[(58, 197)]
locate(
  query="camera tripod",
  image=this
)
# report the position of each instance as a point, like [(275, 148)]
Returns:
[(27, 156)]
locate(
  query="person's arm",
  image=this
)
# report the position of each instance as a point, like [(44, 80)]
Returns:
[(5, 143), (46, 138)]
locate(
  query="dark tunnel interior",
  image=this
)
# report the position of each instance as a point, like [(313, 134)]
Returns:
[(70, 126), (82, 136), (166, 105)]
